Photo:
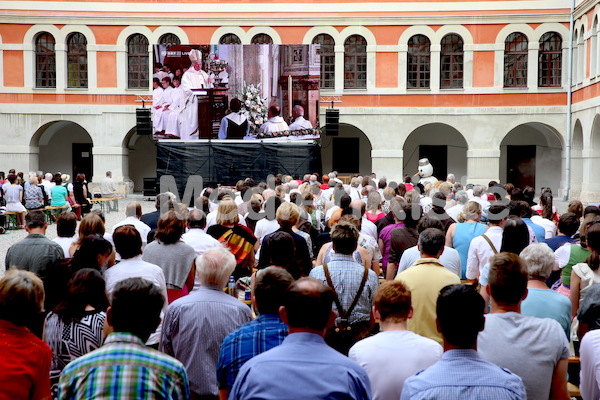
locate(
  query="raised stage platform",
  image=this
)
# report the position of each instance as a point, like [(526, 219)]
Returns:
[(224, 162)]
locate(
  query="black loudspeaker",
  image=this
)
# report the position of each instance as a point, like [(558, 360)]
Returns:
[(332, 122), (143, 123)]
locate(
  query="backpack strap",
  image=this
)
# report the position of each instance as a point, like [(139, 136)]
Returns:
[(487, 239), (344, 314)]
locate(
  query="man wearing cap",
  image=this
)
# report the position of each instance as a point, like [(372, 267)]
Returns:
[(194, 78)]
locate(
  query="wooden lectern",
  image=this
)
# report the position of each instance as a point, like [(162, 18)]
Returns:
[(212, 105)]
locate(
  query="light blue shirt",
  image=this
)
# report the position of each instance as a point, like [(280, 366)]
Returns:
[(546, 303), (463, 374), (540, 232), (302, 367)]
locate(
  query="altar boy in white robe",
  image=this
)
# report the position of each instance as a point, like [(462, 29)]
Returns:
[(177, 106), (194, 78), (162, 114), (156, 98), (235, 124)]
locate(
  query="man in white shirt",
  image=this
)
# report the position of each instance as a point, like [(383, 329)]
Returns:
[(394, 354), (275, 122), (128, 244), (108, 189), (299, 121), (461, 198), (133, 214), (480, 249), (48, 185)]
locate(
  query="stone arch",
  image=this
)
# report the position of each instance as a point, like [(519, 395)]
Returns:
[(348, 153), (528, 155), (64, 146), (436, 141), (175, 30), (267, 30), (318, 30), (141, 157), (236, 30)]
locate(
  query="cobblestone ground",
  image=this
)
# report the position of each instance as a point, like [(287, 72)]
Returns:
[(112, 218)]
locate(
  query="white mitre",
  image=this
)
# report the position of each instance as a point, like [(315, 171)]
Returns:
[(195, 56)]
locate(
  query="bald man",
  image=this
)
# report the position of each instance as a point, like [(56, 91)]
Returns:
[(299, 121)]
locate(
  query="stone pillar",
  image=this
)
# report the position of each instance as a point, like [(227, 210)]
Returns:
[(483, 165), (114, 159), (388, 163), (590, 187), (21, 158)]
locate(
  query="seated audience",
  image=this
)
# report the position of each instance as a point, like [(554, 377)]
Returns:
[(462, 373), (303, 366), (394, 354), (66, 225), (535, 349), (124, 365)]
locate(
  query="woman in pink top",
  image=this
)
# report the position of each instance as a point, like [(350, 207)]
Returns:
[(374, 211)]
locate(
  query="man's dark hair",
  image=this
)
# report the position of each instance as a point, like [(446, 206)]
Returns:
[(66, 224), (427, 222), (526, 210), (163, 197), (528, 195), (431, 241), (460, 314), (496, 213), (197, 219), (271, 206), (382, 183), (507, 278), (128, 241), (35, 219), (515, 236), (514, 208), (202, 203), (135, 307), (591, 210), (308, 304), (344, 238), (283, 251), (269, 289), (345, 201), (235, 104), (275, 110), (568, 224)]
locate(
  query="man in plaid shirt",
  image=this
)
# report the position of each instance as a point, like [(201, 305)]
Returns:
[(124, 367)]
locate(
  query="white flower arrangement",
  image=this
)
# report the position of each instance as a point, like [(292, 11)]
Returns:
[(254, 106)]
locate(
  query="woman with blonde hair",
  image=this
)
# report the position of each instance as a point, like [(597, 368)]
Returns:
[(24, 359), (374, 211), (459, 235), (238, 238)]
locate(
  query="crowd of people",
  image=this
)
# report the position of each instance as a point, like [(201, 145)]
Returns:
[(344, 290)]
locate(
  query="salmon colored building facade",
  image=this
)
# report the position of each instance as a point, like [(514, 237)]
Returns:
[(480, 87)]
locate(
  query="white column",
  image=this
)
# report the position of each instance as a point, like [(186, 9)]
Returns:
[(532, 65), (388, 163), (339, 68), (371, 66), (434, 68), (60, 53), (109, 158), (483, 165)]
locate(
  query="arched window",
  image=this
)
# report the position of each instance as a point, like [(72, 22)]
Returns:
[(261, 38), (418, 71), (169, 39), (451, 62), (77, 64), (327, 52), (550, 60), (355, 62), (45, 61), (137, 62), (515, 60), (230, 38)]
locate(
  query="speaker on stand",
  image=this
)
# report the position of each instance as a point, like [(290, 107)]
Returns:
[(332, 122), (143, 122)]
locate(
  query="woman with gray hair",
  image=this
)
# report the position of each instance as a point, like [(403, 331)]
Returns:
[(541, 301)]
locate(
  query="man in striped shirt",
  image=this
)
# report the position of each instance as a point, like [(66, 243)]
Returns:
[(124, 367), (260, 335)]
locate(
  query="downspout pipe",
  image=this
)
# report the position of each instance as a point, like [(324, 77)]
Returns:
[(569, 104)]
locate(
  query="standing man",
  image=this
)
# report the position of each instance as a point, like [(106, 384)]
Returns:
[(462, 373), (124, 367), (275, 122), (484, 246), (536, 349), (395, 353), (108, 189), (260, 335), (193, 78), (303, 366), (425, 279), (299, 121), (195, 325)]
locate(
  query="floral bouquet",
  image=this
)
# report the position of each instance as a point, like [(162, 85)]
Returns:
[(254, 106), (300, 132)]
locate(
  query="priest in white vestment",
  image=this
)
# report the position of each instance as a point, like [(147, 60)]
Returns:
[(177, 105), (275, 122), (166, 100), (156, 98), (299, 121), (194, 78)]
